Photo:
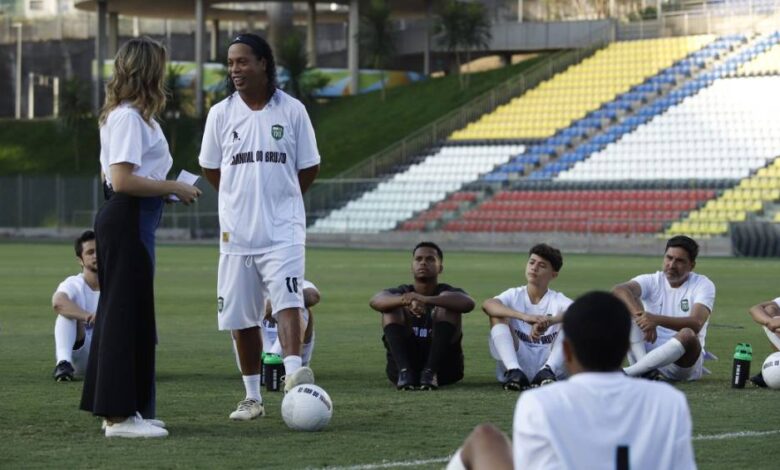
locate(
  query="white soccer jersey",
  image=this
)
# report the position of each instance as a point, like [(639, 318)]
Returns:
[(127, 138), (661, 298), (79, 292), (586, 422), (553, 303), (259, 154)]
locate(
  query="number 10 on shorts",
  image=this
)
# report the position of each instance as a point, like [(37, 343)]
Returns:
[(292, 284)]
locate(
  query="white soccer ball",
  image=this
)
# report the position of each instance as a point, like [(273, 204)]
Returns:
[(771, 370), (307, 408)]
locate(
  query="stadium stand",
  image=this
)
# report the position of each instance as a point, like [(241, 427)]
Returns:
[(577, 135), (662, 157), (727, 130), (415, 189), (588, 211), (582, 88)]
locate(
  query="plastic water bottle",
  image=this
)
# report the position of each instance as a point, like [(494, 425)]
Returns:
[(273, 370), (740, 372)]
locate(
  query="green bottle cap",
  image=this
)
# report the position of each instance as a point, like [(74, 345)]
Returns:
[(743, 352), (273, 359)]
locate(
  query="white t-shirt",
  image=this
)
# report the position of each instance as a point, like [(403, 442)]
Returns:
[(127, 138), (259, 154), (553, 303), (79, 292), (581, 423), (661, 298)]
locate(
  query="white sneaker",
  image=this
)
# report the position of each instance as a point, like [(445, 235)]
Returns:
[(304, 375), (248, 409), (134, 427), (154, 422)]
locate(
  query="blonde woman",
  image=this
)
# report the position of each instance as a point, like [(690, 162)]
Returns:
[(134, 159)]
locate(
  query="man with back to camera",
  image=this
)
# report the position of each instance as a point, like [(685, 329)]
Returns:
[(259, 151), (599, 417), (767, 314), (671, 310), (422, 325), (525, 337), (75, 303)]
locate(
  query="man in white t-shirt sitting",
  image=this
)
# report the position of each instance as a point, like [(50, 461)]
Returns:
[(599, 417), (671, 310), (767, 314), (525, 322), (75, 303), (269, 329)]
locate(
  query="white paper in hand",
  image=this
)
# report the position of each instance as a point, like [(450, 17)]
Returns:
[(184, 177)]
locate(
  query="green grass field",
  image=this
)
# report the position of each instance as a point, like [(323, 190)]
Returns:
[(198, 384)]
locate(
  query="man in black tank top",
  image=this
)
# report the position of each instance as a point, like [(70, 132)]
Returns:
[(422, 325)]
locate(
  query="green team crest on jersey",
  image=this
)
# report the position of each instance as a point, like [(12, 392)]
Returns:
[(277, 131), (684, 305)]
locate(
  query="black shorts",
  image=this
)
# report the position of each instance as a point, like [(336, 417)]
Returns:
[(450, 369)]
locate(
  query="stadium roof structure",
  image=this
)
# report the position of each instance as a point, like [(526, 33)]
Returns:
[(215, 10)]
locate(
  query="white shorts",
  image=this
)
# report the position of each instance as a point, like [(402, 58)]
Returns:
[(530, 357), (680, 374), (81, 355), (244, 282)]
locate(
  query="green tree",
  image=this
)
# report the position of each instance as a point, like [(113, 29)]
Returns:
[(302, 81), (75, 111), (376, 38), (463, 26)]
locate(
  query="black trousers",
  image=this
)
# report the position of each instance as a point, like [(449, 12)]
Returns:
[(120, 374)]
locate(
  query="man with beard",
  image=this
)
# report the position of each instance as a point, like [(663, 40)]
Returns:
[(671, 311), (75, 303), (422, 325)]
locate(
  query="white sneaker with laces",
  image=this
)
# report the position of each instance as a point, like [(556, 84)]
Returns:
[(304, 375), (134, 427), (248, 409), (154, 422)]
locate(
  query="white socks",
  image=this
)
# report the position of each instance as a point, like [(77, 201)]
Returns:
[(773, 338), (306, 350), (252, 386), (636, 339), (291, 364), (505, 346), (658, 357), (64, 338), (456, 463)]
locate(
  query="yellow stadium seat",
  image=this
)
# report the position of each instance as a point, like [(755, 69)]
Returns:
[(584, 87)]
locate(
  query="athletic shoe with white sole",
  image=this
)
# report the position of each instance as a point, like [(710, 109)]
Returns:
[(63, 372), (304, 375), (133, 427), (248, 409), (154, 422)]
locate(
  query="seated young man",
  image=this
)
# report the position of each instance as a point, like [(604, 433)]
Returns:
[(767, 314), (671, 310), (422, 325), (269, 328), (599, 417), (525, 322), (75, 303)]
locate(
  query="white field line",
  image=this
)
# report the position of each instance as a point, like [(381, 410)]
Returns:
[(413, 463)]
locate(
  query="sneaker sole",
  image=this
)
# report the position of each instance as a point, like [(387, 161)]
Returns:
[(514, 387), (64, 378)]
